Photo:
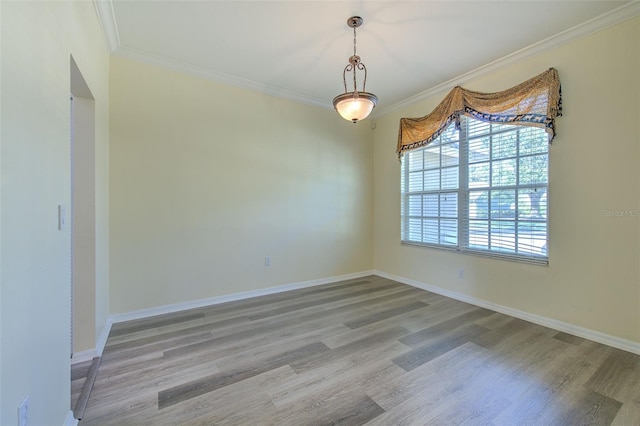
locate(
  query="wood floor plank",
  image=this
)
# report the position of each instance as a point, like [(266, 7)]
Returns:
[(76, 388), (223, 406), (565, 337), (247, 306), (584, 407), (308, 363), (494, 321), (315, 302), (299, 323), (420, 337), (437, 312), (229, 310), (566, 371), (389, 313), (123, 367), (345, 410), (480, 410), (498, 333), (80, 370), (629, 414), (520, 341), (140, 388), (523, 368), (359, 370), (362, 351), (254, 354), (133, 326), (161, 346), (154, 375), (592, 408), (207, 384), (295, 334), (497, 379), (346, 405), (352, 334), (415, 397), (616, 375), (179, 333), (307, 299), (437, 347)]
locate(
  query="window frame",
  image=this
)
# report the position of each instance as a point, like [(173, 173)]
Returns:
[(464, 190)]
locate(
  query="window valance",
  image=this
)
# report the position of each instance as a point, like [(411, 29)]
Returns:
[(535, 102)]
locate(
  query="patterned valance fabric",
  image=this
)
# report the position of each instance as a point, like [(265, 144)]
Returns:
[(536, 103)]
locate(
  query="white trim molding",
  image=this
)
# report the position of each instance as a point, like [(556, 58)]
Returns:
[(106, 16), (107, 19), (177, 307), (596, 336), (219, 77), (83, 356), (101, 341)]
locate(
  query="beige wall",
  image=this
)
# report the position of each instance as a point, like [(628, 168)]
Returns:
[(207, 180), (38, 39), (593, 277)]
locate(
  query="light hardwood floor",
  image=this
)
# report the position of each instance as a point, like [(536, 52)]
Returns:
[(365, 351)]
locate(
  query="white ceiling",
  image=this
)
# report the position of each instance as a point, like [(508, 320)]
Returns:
[(298, 49)]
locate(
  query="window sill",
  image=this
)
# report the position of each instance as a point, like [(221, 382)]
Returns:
[(540, 261)]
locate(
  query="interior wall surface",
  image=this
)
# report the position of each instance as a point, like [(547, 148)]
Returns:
[(593, 277), (37, 43), (210, 182)]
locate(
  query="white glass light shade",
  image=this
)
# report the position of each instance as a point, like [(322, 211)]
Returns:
[(355, 107)]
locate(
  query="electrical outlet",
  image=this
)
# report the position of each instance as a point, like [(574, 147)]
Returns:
[(22, 411), (460, 273), (267, 261)]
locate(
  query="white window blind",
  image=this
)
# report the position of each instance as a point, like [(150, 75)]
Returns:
[(482, 189)]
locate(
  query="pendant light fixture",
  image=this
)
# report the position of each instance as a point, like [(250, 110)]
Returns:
[(354, 106)]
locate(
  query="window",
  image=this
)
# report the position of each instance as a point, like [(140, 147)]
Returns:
[(482, 189)]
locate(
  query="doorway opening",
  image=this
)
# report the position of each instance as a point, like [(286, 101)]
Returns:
[(83, 241)]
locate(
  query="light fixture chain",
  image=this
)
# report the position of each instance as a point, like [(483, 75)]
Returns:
[(355, 83), (354, 41)]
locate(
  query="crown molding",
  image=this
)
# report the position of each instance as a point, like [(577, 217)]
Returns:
[(220, 77), (598, 23), (104, 9), (107, 19)]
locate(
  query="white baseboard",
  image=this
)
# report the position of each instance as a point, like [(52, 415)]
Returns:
[(89, 354), (70, 420), (83, 356), (596, 336), (145, 313)]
